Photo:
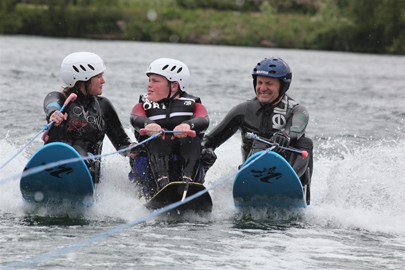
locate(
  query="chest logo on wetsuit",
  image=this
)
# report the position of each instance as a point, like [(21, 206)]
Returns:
[(279, 121), (82, 117), (147, 105), (266, 174), (279, 117)]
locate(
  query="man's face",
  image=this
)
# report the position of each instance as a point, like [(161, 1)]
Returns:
[(267, 89)]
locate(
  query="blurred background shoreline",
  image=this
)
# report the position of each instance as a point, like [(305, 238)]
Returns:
[(361, 26)]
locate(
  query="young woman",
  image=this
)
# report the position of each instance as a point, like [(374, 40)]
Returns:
[(86, 120)]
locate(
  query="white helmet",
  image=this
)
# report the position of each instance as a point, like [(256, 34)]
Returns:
[(80, 66), (173, 70)]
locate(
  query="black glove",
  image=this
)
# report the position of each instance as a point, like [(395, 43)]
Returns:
[(208, 158), (281, 139)]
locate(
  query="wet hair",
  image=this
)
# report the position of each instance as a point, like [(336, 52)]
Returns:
[(75, 89)]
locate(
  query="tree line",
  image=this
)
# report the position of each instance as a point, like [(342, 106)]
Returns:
[(376, 26)]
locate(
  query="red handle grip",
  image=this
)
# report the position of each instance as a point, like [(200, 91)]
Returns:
[(71, 97), (143, 131), (190, 133)]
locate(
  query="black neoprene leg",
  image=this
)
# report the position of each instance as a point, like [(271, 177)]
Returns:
[(94, 165), (190, 151), (159, 151), (299, 163)]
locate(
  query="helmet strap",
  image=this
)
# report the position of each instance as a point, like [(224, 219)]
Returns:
[(281, 94), (178, 92), (280, 97), (170, 89), (87, 86)]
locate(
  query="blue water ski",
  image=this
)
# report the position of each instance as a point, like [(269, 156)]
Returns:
[(270, 181), (66, 183)]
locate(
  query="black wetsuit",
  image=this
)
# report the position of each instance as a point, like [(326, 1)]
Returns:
[(264, 120), (169, 113), (90, 118)]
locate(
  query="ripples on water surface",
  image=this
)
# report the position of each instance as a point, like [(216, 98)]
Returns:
[(357, 216)]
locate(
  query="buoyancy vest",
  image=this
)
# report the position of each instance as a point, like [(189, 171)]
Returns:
[(169, 113)]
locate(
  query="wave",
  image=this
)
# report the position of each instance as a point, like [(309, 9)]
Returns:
[(362, 188)]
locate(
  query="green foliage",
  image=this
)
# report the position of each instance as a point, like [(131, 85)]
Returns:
[(363, 26), (8, 5), (376, 26), (69, 20), (9, 22), (333, 28), (295, 6), (223, 5)]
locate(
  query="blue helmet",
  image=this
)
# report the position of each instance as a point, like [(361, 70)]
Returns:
[(274, 68)]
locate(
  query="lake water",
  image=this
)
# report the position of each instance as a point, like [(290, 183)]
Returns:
[(357, 215)]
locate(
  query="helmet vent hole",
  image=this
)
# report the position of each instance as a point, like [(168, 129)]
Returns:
[(179, 70), (165, 67), (76, 69), (91, 67), (83, 68), (272, 66), (272, 72), (173, 68)]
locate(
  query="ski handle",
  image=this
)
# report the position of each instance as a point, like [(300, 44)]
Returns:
[(70, 98), (190, 133), (303, 153)]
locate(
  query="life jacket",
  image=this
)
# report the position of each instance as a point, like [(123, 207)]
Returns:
[(169, 113)]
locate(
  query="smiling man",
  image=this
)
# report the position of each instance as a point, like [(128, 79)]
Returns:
[(272, 114)]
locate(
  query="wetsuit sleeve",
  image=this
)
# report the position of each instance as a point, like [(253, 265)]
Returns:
[(52, 102), (201, 121), (115, 131), (226, 128), (299, 121), (138, 117)]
